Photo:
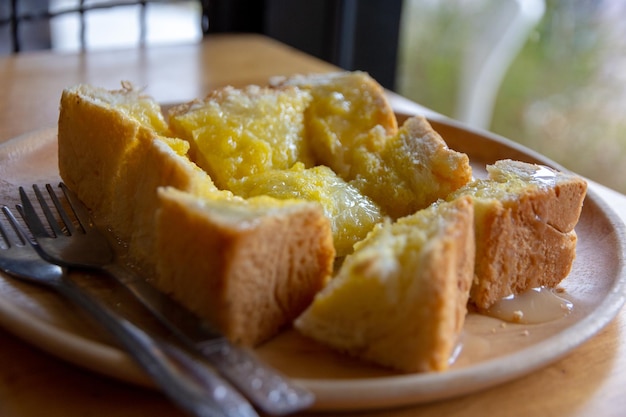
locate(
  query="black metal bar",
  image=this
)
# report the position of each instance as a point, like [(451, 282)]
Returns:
[(17, 17), (235, 16), (83, 30), (99, 6), (377, 32), (15, 36), (204, 19), (344, 33), (142, 23)]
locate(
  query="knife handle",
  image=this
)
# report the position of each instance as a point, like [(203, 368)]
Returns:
[(263, 385)]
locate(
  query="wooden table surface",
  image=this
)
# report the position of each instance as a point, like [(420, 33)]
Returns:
[(591, 381)]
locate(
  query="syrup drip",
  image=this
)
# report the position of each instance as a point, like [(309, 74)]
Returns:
[(538, 305)]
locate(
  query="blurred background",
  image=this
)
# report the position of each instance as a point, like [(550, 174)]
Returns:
[(550, 74), (563, 94)]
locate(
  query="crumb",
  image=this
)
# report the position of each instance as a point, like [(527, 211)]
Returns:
[(525, 333), (493, 330), (518, 315), (559, 290), (503, 325)]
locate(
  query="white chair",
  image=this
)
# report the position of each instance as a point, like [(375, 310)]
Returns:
[(498, 39)]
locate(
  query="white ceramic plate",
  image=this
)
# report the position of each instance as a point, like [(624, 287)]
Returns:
[(492, 352)]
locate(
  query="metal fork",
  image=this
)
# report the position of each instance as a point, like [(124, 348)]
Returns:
[(87, 247), (195, 387)]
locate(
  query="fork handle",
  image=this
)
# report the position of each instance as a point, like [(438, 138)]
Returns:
[(267, 388), (195, 387)]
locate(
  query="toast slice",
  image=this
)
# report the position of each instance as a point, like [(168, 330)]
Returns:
[(525, 217), (400, 299)]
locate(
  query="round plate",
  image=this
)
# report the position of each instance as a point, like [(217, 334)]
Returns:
[(491, 351)]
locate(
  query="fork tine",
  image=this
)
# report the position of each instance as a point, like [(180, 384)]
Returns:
[(61, 210), (80, 211), (19, 230), (52, 221), (3, 232), (30, 216)]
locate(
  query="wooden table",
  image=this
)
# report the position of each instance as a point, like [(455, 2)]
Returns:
[(589, 381)]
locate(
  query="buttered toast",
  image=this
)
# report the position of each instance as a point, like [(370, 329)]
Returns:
[(117, 164), (304, 202)]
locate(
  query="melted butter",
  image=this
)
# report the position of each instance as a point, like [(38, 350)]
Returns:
[(545, 175), (538, 305)]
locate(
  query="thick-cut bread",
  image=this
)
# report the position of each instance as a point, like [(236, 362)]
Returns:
[(400, 299), (255, 141), (95, 139), (116, 161), (525, 216), (352, 129), (250, 269), (408, 171), (235, 133), (344, 108)]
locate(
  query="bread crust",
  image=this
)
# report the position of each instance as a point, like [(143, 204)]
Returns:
[(525, 216), (345, 107), (412, 170), (116, 164), (250, 275), (396, 304)]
